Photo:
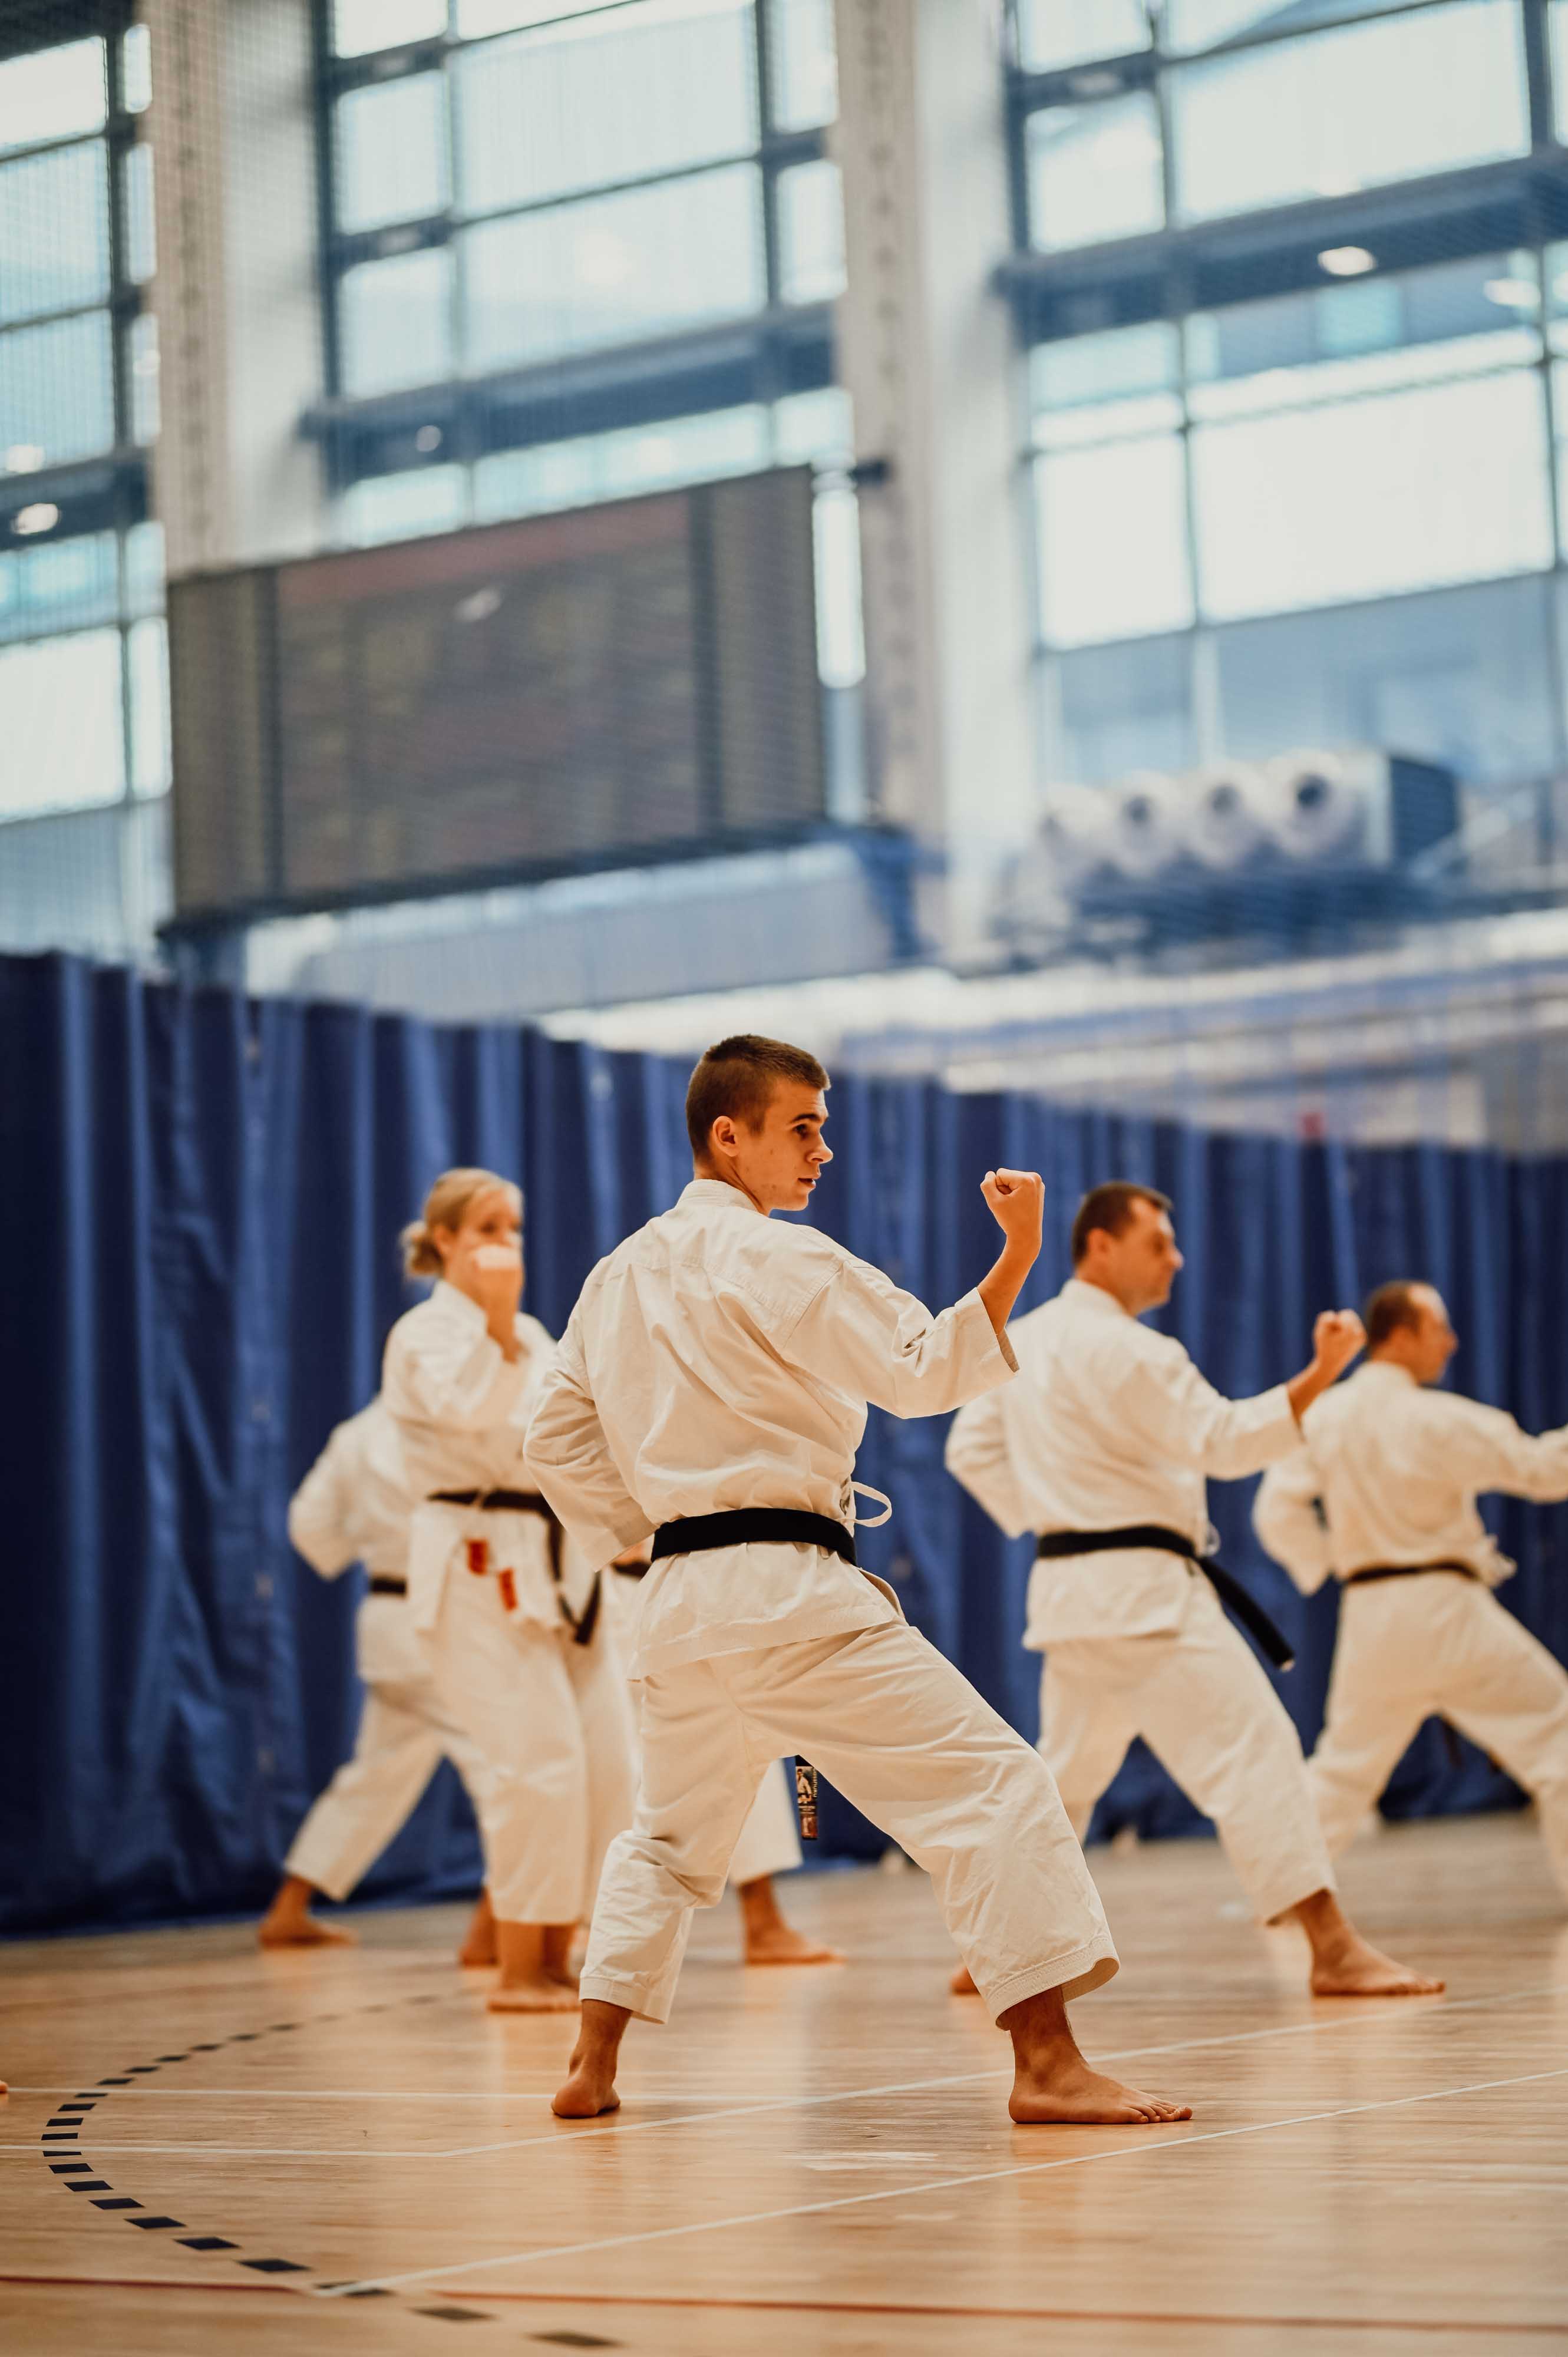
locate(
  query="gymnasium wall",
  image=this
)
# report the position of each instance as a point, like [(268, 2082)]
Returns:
[(199, 1198)]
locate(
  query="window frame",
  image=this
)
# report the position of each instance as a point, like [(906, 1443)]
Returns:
[(104, 490)]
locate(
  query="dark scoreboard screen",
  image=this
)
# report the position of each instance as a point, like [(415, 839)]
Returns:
[(612, 683)]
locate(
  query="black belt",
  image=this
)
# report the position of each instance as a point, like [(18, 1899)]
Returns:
[(495, 1501), (764, 1525), (1230, 1592), (1405, 1571), (529, 1501), (754, 1525), (382, 1584)]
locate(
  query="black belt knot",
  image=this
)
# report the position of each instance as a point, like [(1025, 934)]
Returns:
[(382, 1583), (529, 1501), (754, 1525), (1270, 1640)]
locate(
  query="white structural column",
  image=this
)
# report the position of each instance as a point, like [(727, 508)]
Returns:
[(236, 291), (927, 353)]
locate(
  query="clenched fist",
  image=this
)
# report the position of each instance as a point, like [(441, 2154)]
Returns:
[(1017, 1203), (1337, 1337)]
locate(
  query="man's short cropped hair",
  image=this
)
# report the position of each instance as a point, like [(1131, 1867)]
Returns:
[(1109, 1207), (738, 1076), (1391, 1306)]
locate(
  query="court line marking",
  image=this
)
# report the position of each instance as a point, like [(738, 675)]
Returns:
[(848, 2307), (583, 2131), (908, 2192)]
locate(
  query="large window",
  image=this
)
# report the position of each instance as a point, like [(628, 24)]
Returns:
[(518, 184), (82, 667), (1247, 106), (1360, 441)]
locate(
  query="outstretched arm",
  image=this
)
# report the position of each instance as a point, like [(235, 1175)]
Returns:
[(1485, 1448), (863, 1335)]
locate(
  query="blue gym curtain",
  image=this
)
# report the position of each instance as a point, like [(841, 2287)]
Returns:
[(200, 1197)]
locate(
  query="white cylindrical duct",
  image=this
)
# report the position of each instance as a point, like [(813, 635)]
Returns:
[(1146, 831), (1225, 817), (1319, 809)]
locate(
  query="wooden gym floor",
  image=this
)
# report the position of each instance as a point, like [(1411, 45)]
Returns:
[(209, 2149)]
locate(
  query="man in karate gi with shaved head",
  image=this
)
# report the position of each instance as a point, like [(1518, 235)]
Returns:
[(1103, 1449)]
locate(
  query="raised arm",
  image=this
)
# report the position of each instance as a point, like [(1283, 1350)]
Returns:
[(863, 1334), (978, 1456), (1287, 1518), (451, 1375), (568, 1455)]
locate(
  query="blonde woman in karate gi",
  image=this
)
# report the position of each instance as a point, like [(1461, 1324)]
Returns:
[(509, 1612), (1396, 1465)]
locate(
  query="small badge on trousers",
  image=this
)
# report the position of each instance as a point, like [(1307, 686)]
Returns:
[(508, 1586), (806, 1797), (478, 1553)]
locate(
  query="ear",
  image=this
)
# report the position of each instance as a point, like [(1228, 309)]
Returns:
[(723, 1135)]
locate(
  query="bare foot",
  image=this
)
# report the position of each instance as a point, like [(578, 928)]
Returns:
[(590, 2087), (301, 1931), (780, 1943), (1053, 2085), (1343, 1964), (1070, 2094), (1361, 1970), (963, 1982), (479, 1940), (539, 1993)]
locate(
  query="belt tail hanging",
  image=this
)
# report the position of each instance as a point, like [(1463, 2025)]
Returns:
[(806, 1797), (1244, 1608)]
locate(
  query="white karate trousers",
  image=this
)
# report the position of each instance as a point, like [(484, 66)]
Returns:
[(1437, 1644), (403, 1735), (905, 1738), (769, 1840), (552, 1723), (1202, 1704)]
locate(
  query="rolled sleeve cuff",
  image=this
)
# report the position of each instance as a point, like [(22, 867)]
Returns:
[(992, 1351)]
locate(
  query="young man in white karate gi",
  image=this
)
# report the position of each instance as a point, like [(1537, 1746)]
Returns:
[(354, 1506), (1395, 1467), (711, 1389), (1103, 1447)]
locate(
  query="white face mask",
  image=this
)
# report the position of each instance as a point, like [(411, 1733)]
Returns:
[(496, 1256)]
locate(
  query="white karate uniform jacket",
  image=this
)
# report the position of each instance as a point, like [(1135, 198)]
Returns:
[(720, 1359), (1398, 1466), (1396, 1469), (461, 1409), (1109, 1423)]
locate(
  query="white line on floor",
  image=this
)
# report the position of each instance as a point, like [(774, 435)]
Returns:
[(934, 2185), (558, 2135)]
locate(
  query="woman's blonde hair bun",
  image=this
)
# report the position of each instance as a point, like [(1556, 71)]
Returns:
[(446, 1206)]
